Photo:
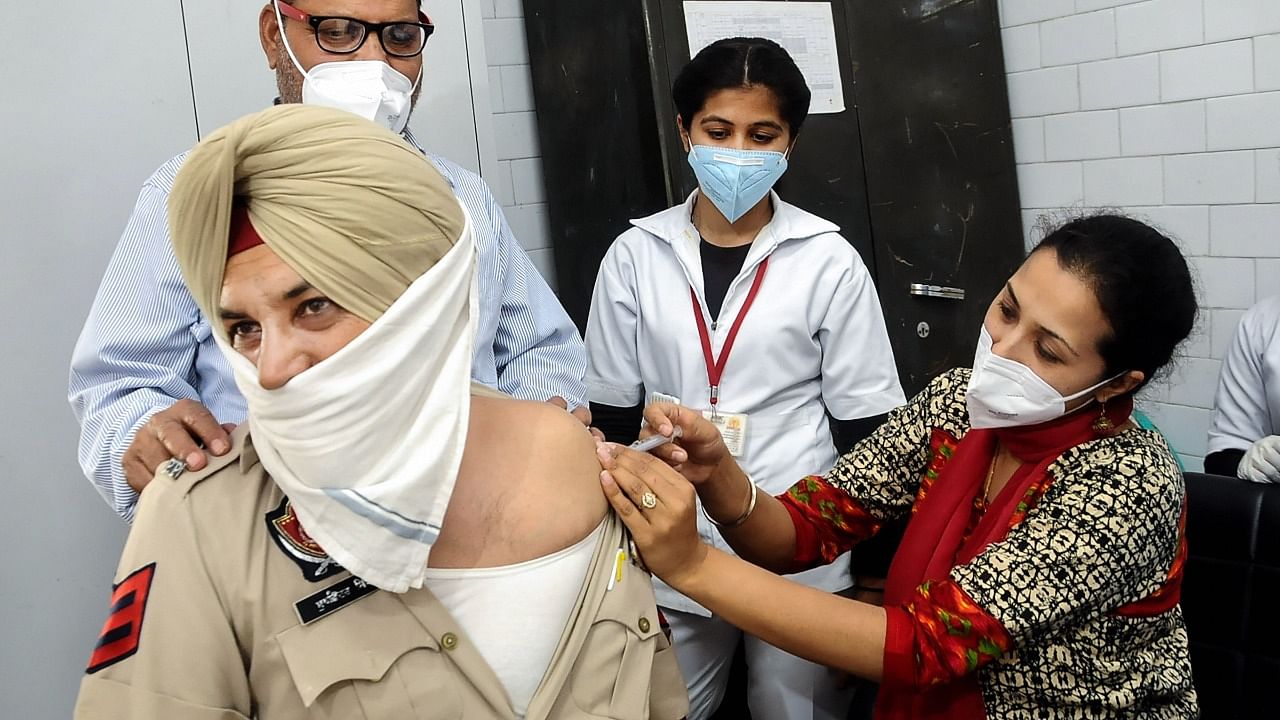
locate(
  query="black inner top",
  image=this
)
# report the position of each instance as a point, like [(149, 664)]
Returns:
[(720, 265)]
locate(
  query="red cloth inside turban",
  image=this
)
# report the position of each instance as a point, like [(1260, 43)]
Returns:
[(243, 234)]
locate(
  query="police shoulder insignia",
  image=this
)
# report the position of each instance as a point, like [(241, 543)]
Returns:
[(123, 630), (297, 545)]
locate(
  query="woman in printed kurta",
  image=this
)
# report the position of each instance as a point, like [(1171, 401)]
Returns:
[(1041, 567)]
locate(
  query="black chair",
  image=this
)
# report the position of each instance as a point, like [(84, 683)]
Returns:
[(1231, 595)]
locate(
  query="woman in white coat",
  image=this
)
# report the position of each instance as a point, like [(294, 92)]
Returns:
[(757, 312), (1244, 439)]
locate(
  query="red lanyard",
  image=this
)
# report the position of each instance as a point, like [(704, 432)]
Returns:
[(715, 368)]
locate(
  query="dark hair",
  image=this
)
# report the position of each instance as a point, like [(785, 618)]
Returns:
[(742, 63), (1142, 284)]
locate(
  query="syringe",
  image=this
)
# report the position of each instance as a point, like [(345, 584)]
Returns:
[(656, 441)]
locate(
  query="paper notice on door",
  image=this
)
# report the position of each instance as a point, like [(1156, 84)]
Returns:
[(805, 29)]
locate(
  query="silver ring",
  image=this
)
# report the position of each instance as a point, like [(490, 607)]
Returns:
[(648, 501), (174, 468)]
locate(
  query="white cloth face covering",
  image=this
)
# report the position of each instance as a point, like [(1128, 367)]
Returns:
[(367, 443), (1006, 393)]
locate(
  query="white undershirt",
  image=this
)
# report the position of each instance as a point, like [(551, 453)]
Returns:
[(516, 614)]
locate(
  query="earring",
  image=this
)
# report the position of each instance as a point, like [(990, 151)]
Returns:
[(1103, 424)]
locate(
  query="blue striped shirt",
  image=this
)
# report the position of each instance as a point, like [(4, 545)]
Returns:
[(146, 345)]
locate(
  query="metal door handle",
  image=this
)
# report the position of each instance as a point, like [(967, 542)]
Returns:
[(937, 291)]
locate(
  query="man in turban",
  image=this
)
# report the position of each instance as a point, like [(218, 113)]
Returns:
[(384, 539), (147, 381)]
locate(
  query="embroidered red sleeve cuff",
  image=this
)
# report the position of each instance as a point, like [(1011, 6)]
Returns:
[(939, 636), (828, 521)]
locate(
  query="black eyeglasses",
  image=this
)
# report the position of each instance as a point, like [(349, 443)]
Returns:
[(344, 35)]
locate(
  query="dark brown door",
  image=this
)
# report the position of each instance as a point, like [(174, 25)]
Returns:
[(941, 181)]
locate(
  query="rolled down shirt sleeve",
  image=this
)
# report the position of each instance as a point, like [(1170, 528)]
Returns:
[(527, 347), (859, 374), (144, 346), (613, 332), (537, 350)]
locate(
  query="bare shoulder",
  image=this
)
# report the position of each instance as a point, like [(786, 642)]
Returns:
[(529, 478), (562, 443), (539, 442)]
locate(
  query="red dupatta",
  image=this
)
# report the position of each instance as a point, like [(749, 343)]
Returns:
[(935, 539)]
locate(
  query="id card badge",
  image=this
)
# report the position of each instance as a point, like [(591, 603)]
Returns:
[(732, 427)]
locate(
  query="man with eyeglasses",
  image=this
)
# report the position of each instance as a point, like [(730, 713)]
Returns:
[(148, 384)]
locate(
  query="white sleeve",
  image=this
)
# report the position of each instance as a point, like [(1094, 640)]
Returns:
[(1240, 413), (136, 354), (536, 351), (613, 363), (859, 375)]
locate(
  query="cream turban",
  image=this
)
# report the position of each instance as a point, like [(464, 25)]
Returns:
[(350, 206), (367, 442)]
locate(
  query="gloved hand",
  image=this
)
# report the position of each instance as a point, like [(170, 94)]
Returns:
[(1261, 462)]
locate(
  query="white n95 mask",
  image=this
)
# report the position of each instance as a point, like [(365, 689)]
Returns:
[(371, 89), (1006, 393)]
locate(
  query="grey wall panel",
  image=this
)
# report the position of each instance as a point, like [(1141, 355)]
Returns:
[(80, 130), (231, 78), (229, 71), (94, 100), (445, 121)]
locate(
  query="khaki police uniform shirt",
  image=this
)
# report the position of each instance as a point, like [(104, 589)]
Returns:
[(223, 608)]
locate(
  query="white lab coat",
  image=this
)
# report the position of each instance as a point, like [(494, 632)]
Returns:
[(815, 339), (1247, 406)]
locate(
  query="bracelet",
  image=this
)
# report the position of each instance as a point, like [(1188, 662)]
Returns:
[(751, 506)]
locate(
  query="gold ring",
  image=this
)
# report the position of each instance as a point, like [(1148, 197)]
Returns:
[(648, 501)]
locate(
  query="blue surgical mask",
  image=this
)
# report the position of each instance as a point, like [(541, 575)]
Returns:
[(735, 180)]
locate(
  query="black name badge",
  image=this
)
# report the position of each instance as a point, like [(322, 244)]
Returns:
[(332, 599)]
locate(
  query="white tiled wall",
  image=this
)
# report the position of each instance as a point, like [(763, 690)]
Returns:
[(518, 184), (1166, 109)]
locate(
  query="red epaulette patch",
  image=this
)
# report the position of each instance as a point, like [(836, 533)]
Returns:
[(123, 629)]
